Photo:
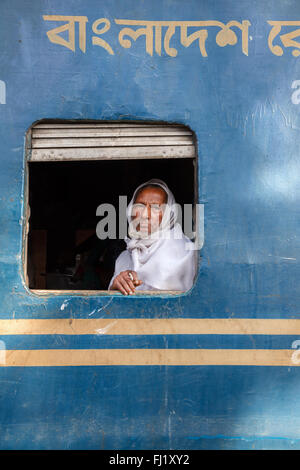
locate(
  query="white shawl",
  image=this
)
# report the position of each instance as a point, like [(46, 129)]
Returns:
[(163, 260)]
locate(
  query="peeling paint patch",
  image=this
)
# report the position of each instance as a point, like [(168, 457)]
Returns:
[(64, 304), (103, 331), (2, 92)]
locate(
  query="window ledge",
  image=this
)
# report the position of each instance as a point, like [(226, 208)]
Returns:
[(104, 292)]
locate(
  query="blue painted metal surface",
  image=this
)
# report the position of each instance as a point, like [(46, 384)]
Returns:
[(242, 109)]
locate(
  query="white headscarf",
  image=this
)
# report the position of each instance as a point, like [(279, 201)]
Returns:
[(165, 259)]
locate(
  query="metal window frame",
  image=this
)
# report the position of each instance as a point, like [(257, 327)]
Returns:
[(55, 141)]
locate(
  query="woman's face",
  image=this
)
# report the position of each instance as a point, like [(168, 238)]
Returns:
[(148, 209)]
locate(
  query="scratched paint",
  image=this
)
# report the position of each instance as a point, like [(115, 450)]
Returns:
[(239, 93)]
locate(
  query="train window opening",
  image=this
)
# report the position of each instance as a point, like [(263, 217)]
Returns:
[(62, 249)]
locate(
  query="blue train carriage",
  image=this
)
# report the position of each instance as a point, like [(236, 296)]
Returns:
[(95, 99)]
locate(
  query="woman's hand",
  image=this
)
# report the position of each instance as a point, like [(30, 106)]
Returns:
[(126, 282)]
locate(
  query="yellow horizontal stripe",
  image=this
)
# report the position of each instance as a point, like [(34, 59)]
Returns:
[(147, 357), (157, 326)]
